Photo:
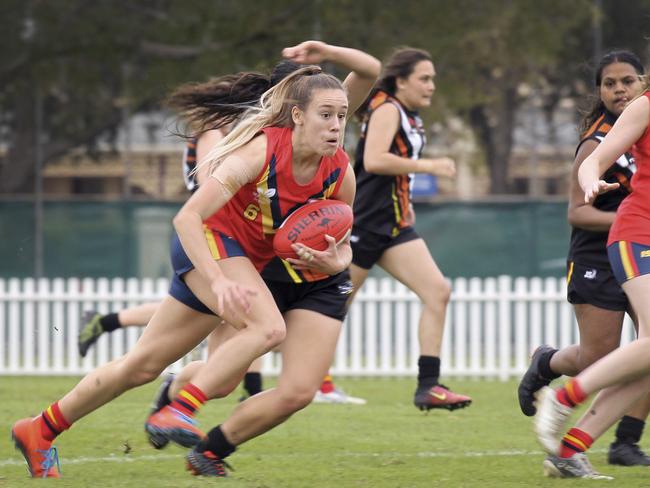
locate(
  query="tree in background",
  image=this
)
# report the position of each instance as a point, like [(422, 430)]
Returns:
[(88, 65)]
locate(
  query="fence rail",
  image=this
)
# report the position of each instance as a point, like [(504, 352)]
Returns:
[(492, 325)]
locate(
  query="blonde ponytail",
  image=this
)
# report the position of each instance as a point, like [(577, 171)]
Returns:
[(274, 110)]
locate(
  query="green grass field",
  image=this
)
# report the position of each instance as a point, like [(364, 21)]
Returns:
[(386, 443)]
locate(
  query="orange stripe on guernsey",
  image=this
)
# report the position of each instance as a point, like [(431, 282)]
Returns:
[(594, 126), (625, 249), (405, 197), (570, 273), (189, 397), (401, 147), (576, 441), (212, 244), (51, 416), (380, 98)]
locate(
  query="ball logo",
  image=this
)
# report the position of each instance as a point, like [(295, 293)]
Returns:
[(325, 222), (326, 215)]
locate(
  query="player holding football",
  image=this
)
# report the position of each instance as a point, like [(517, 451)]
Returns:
[(224, 265)]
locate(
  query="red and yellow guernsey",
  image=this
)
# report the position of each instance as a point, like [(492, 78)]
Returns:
[(255, 212)]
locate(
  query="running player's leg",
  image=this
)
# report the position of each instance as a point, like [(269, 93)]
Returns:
[(411, 263), (307, 353), (93, 324), (622, 375), (165, 340), (259, 330), (328, 391)]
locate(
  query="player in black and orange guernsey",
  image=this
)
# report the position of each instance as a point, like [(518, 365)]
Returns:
[(598, 300), (302, 118), (389, 150), (622, 377)]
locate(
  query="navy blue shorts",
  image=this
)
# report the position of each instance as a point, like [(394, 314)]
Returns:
[(368, 247), (628, 260), (221, 246)]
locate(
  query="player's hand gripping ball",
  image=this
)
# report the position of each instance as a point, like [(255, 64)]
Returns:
[(310, 223)]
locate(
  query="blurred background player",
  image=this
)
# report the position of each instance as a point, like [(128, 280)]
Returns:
[(598, 301), (622, 377), (388, 152)]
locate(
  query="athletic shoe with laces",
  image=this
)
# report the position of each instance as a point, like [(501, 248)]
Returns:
[(627, 454), (550, 420), (439, 396), (577, 466), (205, 463), (337, 396), (532, 381), (160, 400), (169, 424), (90, 331), (41, 456)]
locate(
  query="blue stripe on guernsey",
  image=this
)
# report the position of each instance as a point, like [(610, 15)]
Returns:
[(267, 191), (276, 212), (328, 189), (330, 182)]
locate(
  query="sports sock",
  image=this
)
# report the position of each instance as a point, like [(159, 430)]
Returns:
[(53, 422), (189, 400), (545, 365), (571, 394), (575, 441), (253, 383), (327, 386), (110, 322), (216, 443), (629, 430), (428, 370)]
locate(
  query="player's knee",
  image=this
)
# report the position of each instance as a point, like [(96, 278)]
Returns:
[(273, 335), (139, 373), (297, 398), (438, 296)]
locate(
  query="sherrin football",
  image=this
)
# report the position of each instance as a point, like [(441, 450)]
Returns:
[(309, 224)]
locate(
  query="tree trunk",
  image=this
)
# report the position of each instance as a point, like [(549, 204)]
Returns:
[(494, 126), (17, 166)]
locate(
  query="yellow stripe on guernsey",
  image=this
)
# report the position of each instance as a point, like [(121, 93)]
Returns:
[(292, 272), (265, 202), (190, 398), (625, 259), (570, 273), (398, 214), (51, 416), (576, 441), (212, 244), (330, 190)]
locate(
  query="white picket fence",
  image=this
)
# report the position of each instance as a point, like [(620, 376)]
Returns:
[(492, 326)]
